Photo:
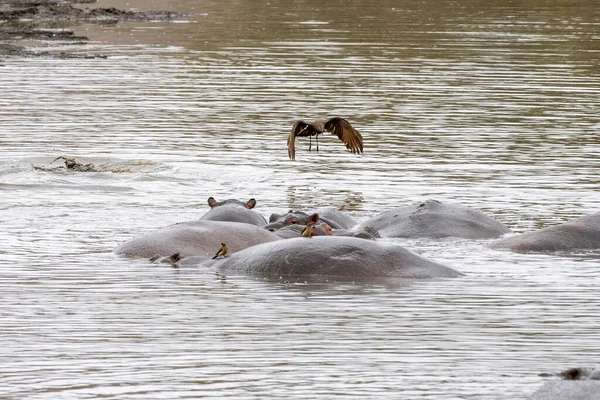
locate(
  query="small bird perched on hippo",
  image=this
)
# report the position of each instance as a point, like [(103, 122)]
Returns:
[(222, 251)]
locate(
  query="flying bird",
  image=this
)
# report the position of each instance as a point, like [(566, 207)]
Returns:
[(222, 251), (336, 125)]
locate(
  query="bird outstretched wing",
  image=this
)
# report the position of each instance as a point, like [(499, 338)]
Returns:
[(300, 128), (346, 133)]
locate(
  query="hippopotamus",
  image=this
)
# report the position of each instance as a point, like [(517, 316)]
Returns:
[(292, 231), (234, 211), (332, 256), (567, 389), (292, 224), (331, 216), (581, 233), (340, 219), (436, 220), (201, 238)]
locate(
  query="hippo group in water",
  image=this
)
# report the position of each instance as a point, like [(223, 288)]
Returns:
[(277, 248), (327, 250)]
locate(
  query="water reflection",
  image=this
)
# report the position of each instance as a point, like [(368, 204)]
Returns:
[(302, 198)]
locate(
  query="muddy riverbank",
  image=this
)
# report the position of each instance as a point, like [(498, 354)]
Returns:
[(49, 20)]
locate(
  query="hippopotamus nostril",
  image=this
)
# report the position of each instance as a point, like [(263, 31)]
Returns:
[(271, 230)]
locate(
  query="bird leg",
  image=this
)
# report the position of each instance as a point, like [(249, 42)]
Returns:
[(317, 139), (309, 143)]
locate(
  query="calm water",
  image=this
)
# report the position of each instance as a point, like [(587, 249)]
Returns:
[(493, 107)]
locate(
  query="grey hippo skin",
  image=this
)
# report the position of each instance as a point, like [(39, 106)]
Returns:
[(234, 211), (292, 231), (337, 217), (578, 384), (331, 256), (436, 220), (197, 238), (581, 233), (331, 216), (290, 225)]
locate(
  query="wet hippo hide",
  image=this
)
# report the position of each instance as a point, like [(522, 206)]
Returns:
[(581, 233), (202, 238), (292, 231), (436, 220), (331, 216), (340, 219), (333, 256), (234, 211)]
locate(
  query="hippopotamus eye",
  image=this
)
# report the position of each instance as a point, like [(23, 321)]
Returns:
[(293, 221)]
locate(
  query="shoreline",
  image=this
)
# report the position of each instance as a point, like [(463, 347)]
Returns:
[(49, 20)]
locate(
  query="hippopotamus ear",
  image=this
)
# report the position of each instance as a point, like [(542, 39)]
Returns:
[(314, 218), (251, 204), (274, 217), (212, 202)]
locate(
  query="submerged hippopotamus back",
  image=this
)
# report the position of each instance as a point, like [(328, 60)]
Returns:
[(434, 219), (197, 238), (581, 233), (333, 256), (233, 210)]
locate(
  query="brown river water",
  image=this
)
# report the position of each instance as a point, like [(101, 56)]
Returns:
[(495, 107)]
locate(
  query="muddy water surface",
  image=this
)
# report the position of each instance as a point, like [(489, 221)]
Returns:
[(493, 107)]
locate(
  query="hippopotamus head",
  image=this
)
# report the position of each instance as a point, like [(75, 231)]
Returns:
[(214, 203), (234, 211), (295, 230), (278, 221)]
